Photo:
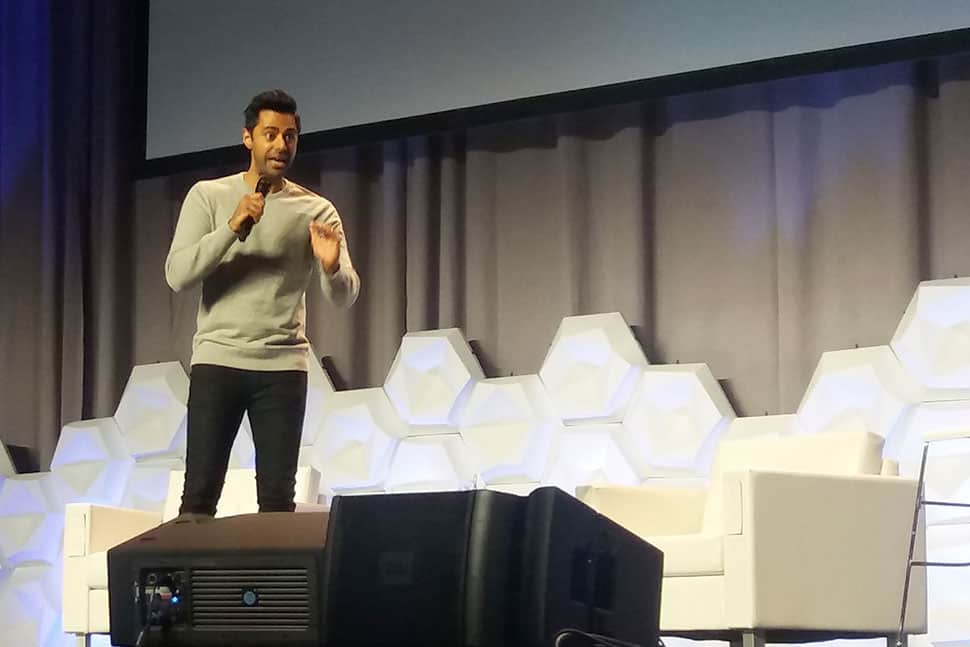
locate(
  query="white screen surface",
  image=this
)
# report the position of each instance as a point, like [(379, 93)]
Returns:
[(355, 62)]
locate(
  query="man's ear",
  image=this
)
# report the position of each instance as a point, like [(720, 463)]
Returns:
[(247, 138)]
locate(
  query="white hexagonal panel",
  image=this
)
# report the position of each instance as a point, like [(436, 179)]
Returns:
[(6, 463), (948, 589), (588, 455), (863, 388), (243, 453), (358, 434), (431, 464), (430, 377), (31, 519), (91, 463), (147, 484), (101, 482), (508, 425), (592, 367), (30, 538), (753, 426), (26, 494), (674, 421), (948, 461), (518, 489), (152, 409), (319, 390), (89, 441), (933, 339), (927, 419), (30, 615)]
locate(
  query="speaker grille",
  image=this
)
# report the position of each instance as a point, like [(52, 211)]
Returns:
[(251, 599)]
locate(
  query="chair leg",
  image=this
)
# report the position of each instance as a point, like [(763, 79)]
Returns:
[(897, 640), (753, 638)]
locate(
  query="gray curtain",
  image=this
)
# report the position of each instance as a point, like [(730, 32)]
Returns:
[(751, 228), (66, 119)]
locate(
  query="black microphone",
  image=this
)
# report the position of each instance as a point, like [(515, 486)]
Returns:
[(262, 186)]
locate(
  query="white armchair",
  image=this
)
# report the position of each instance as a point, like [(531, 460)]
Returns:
[(90, 530), (797, 538)]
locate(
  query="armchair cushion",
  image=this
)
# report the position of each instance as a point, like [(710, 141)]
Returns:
[(648, 511), (690, 555)]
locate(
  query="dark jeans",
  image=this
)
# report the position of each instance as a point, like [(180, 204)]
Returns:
[(218, 398)]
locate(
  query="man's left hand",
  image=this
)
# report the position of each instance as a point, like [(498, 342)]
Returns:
[(325, 240)]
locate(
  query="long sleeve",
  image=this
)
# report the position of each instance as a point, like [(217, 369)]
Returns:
[(197, 246), (341, 288)]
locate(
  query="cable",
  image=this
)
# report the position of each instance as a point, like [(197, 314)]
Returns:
[(595, 640), (148, 618)]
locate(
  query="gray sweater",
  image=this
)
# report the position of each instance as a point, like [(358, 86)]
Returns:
[(252, 312)]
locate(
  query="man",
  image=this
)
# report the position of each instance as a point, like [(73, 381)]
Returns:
[(255, 257)]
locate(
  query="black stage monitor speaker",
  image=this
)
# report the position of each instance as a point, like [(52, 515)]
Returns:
[(439, 569), (484, 569), (583, 571), (246, 580)]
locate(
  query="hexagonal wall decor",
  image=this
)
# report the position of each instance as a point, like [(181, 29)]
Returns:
[(518, 489), (319, 390), (592, 367), (948, 461), (677, 415), (430, 378), (932, 340), (147, 484), (29, 538), (243, 453), (90, 463), (588, 455), (358, 434), (863, 388), (948, 589), (949, 418), (431, 464), (508, 424), (31, 519), (101, 482), (89, 441), (26, 494), (152, 409), (6, 463), (29, 613), (753, 426)]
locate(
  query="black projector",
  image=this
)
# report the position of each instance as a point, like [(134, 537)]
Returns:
[(246, 580), (449, 569)]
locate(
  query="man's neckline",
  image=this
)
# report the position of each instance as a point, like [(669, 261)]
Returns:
[(283, 189)]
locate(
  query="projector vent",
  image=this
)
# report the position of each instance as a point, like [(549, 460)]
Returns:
[(250, 599)]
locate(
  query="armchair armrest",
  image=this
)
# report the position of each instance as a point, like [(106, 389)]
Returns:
[(827, 550), (89, 531), (90, 528), (648, 511)]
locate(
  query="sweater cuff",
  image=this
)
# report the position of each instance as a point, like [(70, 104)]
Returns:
[(225, 235)]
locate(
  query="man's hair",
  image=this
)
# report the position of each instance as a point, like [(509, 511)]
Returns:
[(275, 100)]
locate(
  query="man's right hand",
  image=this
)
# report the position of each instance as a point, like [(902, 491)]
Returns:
[(250, 206)]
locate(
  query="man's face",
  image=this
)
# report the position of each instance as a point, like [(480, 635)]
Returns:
[(272, 142)]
